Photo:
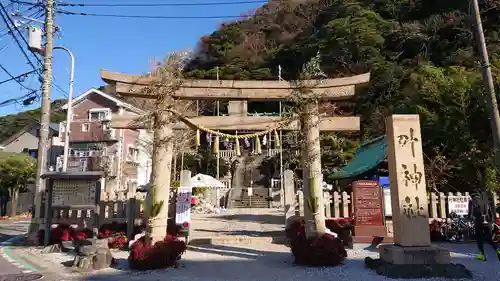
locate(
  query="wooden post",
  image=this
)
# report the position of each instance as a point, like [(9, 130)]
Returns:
[(131, 212), (48, 211), (311, 172), (97, 208), (161, 173)]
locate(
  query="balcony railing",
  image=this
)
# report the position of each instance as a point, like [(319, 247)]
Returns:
[(107, 164)]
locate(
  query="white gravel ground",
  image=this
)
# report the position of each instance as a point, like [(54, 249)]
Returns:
[(269, 262)]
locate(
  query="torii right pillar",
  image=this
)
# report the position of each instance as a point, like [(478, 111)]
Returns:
[(412, 243)]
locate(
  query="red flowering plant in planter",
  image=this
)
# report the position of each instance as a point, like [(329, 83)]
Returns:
[(64, 232), (119, 242), (326, 250), (162, 254), (112, 229)]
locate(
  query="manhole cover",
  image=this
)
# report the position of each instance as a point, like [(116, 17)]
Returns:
[(21, 277)]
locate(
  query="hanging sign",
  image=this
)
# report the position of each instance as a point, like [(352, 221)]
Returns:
[(183, 205)]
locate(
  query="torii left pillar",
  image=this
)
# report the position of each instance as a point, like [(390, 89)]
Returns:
[(160, 173)]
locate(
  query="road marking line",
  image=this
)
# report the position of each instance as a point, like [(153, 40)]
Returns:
[(18, 262)]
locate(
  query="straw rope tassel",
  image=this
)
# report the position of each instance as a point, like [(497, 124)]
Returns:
[(215, 145), (258, 149), (238, 149), (198, 138), (276, 139)]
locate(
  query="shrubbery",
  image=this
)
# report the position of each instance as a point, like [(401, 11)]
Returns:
[(162, 254), (118, 242), (116, 232), (436, 230), (326, 250), (64, 232)]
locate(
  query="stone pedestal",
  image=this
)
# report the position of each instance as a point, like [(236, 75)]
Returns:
[(429, 255), (370, 234)]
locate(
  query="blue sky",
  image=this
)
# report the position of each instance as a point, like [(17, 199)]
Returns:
[(118, 44)]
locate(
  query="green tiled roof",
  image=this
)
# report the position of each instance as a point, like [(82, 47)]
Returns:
[(368, 156)]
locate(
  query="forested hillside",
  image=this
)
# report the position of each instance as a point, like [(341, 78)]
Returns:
[(421, 54), (11, 124)]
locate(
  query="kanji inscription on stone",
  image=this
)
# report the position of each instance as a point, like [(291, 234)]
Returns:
[(407, 181), (71, 193), (411, 176)]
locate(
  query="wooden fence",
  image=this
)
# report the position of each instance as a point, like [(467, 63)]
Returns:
[(118, 207), (339, 204)]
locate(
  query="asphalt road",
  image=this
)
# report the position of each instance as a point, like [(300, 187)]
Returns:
[(8, 271)]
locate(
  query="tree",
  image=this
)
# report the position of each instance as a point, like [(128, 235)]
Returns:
[(15, 172), (13, 123), (420, 55), (203, 161)]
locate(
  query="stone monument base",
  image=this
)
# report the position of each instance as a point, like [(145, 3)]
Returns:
[(414, 271), (416, 262), (371, 234), (395, 254)]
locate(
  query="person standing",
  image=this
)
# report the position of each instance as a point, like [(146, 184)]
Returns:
[(482, 215)]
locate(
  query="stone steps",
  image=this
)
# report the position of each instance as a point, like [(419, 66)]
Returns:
[(248, 204)]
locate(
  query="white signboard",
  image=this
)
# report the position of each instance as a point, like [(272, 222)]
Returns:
[(183, 205), (73, 193), (250, 191), (458, 205), (387, 201)]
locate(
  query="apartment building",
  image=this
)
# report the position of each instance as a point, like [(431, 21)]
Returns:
[(94, 146)]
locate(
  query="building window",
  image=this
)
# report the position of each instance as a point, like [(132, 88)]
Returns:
[(132, 154), (99, 114), (85, 127)]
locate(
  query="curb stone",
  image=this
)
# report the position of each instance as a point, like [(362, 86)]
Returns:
[(6, 253)]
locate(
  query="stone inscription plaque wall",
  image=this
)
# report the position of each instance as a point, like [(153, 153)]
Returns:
[(73, 193), (367, 203), (407, 181)]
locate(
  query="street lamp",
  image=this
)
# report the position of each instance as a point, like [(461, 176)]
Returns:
[(35, 44), (69, 105)]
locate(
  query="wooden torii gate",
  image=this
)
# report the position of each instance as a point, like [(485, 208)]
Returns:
[(238, 93)]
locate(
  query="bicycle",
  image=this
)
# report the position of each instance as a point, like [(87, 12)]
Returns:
[(458, 229), (496, 232)]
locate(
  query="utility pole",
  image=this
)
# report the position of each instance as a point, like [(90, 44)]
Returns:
[(488, 81), (218, 151), (44, 116)]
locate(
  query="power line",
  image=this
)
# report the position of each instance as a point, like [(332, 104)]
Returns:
[(14, 78), (224, 3), (26, 98), (27, 44), (36, 14), (6, 21), (150, 17), (17, 77)]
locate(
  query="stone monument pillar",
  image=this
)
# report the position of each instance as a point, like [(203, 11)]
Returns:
[(290, 200), (412, 244)]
